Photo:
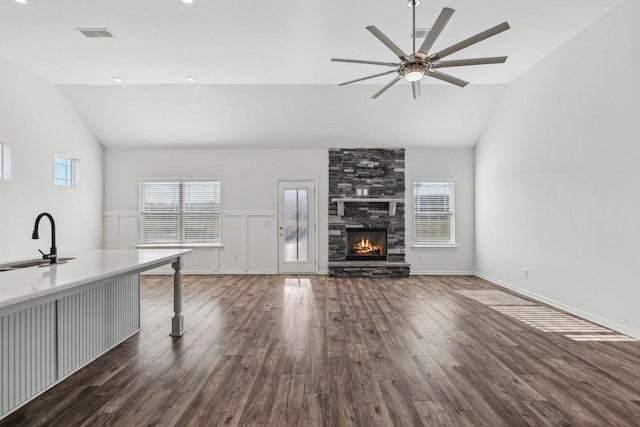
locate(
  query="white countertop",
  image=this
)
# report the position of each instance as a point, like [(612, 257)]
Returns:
[(21, 285)]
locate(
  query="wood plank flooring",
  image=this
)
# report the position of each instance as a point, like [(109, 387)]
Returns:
[(321, 351)]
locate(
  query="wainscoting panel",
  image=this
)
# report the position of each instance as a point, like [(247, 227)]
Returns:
[(249, 243), (232, 257), (27, 356), (111, 313), (262, 244)]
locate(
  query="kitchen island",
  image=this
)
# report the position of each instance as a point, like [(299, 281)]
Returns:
[(55, 319)]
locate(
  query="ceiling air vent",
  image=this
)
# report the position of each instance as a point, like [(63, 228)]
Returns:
[(96, 33), (420, 33)]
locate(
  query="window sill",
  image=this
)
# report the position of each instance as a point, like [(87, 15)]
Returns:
[(178, 245), (433, 246)]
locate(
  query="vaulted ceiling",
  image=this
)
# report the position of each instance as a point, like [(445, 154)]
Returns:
[(263, 71)]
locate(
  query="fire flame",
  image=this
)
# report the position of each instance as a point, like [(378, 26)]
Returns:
[(365, 246)]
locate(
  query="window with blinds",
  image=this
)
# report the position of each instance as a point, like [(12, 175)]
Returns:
[(434, 211), (179, 212)]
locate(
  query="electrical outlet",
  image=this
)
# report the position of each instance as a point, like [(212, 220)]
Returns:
[(526, 273), (267, 223), (236, 257), (420, 258)]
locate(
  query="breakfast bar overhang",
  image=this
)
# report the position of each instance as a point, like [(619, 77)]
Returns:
[(55, 319)]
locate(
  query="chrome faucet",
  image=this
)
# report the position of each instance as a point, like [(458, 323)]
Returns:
[(53, 256)]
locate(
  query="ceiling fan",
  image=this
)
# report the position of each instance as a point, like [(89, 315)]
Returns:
[(419, 64)]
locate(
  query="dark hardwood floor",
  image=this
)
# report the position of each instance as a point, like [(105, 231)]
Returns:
[(314, 350)]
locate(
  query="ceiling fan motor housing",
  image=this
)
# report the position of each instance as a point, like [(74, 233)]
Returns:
[(414, 68)]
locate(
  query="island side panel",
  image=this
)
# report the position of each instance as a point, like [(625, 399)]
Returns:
[(31, 332), (96, 319)]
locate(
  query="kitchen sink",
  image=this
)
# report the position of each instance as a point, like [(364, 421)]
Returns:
[(30, 263)]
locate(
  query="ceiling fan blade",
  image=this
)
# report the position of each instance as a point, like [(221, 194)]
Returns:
[(394, 81), (366, 78), (447, 78), (387, 42), (435, 31), (358, 61), (474, 61), (415, 88), (470, 41)]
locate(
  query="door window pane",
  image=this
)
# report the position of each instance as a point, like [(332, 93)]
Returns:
[(296, 225)]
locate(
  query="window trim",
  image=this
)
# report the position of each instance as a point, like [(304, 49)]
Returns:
[(5, 161), (451, 213), (181, 214), (178, 245)]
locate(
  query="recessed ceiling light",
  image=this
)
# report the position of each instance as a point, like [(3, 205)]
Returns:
[(191, 79), (118, 79), (21, 1), (187, 1)]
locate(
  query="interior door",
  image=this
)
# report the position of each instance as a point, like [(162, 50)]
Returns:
[(296, 227)]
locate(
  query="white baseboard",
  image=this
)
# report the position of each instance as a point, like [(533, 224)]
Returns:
[(442, 273), (569, 309), (208, 272), (170, 272), (261, 272)]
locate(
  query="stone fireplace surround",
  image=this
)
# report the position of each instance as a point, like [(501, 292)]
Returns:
[(377, 177)]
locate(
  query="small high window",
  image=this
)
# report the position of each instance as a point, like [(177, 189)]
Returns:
[(5, 161), (66, 171)]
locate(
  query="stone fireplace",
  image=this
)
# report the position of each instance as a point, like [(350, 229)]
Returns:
[(366, 213)]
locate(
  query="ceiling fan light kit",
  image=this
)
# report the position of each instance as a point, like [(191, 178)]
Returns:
[(413, 71), (420, 63)]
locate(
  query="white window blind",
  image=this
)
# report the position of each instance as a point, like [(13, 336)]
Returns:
[(434, 210), (179, 212)]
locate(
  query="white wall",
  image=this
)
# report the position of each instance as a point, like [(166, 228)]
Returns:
[(558, 177), (38, 121), (267, 116), (448, 164), (249, 199)]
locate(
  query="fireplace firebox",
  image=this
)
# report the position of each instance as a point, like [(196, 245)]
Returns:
[(366, 244)]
